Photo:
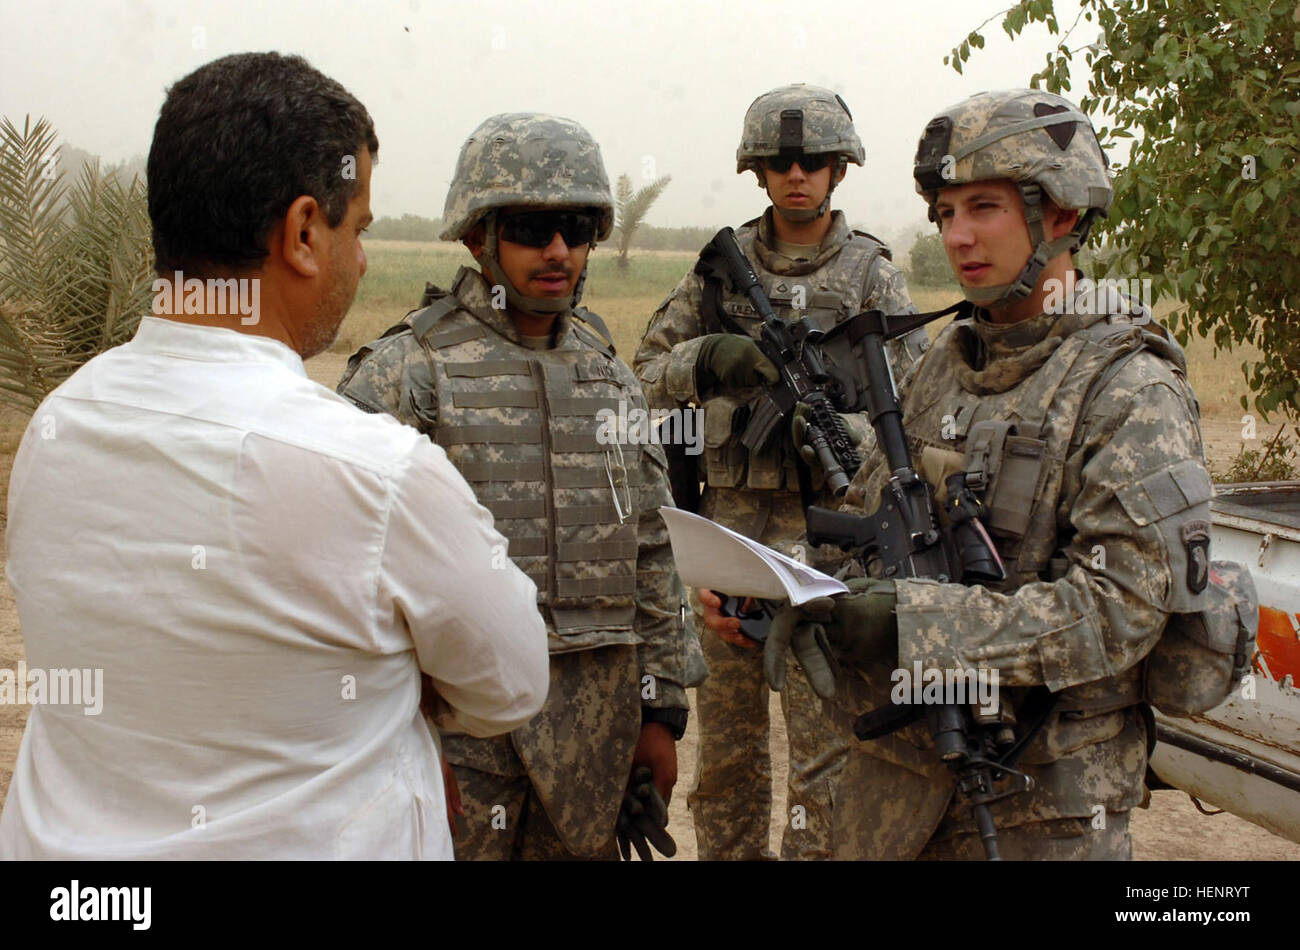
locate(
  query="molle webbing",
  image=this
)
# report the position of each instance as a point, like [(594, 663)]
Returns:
[(616, 586), (596, 550), (485, 368), (581, 405), (522, 428), (501, 399), (586, 515), (503, 510), (571, 618), (498, 434)]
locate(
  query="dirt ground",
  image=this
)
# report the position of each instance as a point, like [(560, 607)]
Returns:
[(1170, 829)]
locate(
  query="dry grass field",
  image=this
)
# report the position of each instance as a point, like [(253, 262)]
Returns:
[(1169, 829)]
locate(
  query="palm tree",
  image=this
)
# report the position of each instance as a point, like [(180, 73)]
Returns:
[(76, 264), (632, 208)]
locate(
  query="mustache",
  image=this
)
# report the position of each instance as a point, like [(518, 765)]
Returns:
[(554, 270)]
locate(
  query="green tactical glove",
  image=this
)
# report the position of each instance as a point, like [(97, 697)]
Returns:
[(854, 628), (732, 361), (801, 419), (643, 818)]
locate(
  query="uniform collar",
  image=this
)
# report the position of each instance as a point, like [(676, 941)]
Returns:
[(775, 262), (993, 357)]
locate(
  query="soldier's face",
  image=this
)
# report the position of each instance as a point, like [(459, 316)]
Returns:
[(550, 271), (797, 188), (984, 232)]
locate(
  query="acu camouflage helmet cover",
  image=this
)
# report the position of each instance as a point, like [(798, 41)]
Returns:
[(527, 159), (797, 118), (1035, 139), (1024, 135)]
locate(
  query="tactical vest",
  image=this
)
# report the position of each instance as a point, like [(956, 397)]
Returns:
[(521, 427), (727, 463), (1015, 444)]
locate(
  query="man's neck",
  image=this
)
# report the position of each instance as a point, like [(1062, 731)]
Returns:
[(532, 324), (1028, 308), (246, 304), (801, 232)]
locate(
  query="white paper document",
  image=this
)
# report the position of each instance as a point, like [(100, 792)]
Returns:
[(709, 555)]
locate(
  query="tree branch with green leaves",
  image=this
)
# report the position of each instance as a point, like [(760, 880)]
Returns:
[(76, 263), (1208, 202)]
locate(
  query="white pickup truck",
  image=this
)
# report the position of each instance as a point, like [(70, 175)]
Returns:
[(1244, 755)]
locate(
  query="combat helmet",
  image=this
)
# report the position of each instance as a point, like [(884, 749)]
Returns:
[(526, 159), (1039, 141), (796, 119)]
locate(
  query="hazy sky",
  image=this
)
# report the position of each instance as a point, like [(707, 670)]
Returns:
[(662, 86)]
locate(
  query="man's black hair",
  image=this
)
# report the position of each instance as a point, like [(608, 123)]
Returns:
[(237, 141)]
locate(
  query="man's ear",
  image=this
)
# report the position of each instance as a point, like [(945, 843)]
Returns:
[(1061, 222), (302, 240), (842, 170), (476, 239)]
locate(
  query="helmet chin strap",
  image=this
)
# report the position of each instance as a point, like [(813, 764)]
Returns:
[(1044, 250), (539, 306)]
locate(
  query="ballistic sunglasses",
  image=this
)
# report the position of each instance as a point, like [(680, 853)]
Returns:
[(809, 162), (537, 228)]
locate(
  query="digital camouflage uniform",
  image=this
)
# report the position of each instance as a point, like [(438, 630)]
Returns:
[(581, 518), (758, 496), (1099, 502), (1115, 494)]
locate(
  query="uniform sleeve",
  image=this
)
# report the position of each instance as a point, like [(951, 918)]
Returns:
[(670, 652), (381, 376), (471, 613), (665, 360), (1134, 492)]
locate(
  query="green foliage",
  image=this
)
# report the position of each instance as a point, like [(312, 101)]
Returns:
[(409, 227), (1208, 204), (1276, 463), (631, 208), (927, 263), (76, 264)]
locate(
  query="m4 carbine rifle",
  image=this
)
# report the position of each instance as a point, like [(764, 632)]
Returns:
[(795, 349), (905, 537)]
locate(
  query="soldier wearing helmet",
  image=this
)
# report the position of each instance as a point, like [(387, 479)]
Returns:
[(1071, 412), (798, 141), (508, 374)]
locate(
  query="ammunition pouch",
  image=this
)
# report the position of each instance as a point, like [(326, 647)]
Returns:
[(1008, 469), (1202, 656)]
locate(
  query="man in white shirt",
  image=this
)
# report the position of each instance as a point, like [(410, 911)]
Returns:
[(260, 570)]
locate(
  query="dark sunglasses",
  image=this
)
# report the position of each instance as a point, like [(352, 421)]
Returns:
[(537, 228), (809, 162)]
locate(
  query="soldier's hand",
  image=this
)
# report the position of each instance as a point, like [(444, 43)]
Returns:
[(726, 628), (643, 819), (800, 420), (856, 627), (732, 361), (803, 630)]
